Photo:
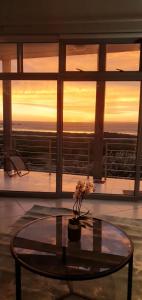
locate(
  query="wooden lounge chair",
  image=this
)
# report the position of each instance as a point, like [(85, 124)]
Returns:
[(16, 164)]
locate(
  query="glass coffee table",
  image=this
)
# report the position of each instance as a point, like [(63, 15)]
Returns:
[(43, 247)]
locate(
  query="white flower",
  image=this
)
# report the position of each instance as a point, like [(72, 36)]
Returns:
[(83, 188)]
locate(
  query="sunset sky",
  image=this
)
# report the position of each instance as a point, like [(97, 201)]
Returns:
[(37, 101)]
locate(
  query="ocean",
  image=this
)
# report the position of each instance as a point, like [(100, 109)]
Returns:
[(117, 127)]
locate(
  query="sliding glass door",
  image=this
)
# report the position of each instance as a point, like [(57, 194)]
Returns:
[(78, 132), (120, 136), (34, 131)]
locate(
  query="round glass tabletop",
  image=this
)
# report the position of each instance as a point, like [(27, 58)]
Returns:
[(46, 247)]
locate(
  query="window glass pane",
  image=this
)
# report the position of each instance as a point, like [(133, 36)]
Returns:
[(120, 135), (8, 58), (34, 110), (78, 127), (82, 57), (122, 57), (122, 106), (40, 57), (139, 171)]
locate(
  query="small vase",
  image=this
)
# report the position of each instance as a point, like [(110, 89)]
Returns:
[(74, 230)]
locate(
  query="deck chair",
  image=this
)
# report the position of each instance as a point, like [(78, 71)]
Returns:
[(16, 164)]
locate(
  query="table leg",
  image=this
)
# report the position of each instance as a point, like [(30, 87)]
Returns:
[(130, 274), (18, 280)]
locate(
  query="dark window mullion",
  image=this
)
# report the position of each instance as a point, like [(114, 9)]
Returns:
[(59, 165), (20, 58), (99, 119)]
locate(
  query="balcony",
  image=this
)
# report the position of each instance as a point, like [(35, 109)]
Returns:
[(39, 150)]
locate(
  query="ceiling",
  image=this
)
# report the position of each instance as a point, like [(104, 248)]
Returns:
[(70, 17)]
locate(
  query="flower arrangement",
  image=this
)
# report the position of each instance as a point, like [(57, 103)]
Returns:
[(82, 189), (79, 220)]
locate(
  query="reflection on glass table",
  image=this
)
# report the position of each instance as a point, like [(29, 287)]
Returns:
[(43, 247)]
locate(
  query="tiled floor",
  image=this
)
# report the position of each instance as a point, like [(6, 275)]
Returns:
[(43, 182), (13, 208)]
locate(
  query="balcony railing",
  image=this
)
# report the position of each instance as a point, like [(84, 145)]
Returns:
[(40, 152), (120, 158)]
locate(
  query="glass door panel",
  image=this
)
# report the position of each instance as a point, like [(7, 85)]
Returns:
[(34, 111), (120, 136), (78, 132), (138, 181)]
